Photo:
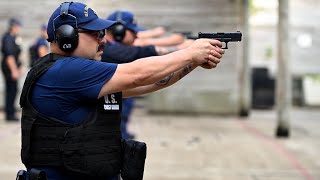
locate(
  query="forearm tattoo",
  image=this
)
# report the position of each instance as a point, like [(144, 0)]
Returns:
[(165, 81), (185, 71)]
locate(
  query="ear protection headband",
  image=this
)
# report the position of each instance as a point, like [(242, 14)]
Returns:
[(118, 30), (66, 36)]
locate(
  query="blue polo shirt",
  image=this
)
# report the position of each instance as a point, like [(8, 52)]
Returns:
[(118, 53)]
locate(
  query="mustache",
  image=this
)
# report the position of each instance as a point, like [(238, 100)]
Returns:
[(101, 47)]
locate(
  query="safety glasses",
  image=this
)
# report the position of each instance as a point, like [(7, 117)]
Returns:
[(97, 34)]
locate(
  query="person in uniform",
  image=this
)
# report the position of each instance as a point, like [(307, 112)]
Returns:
[(40, 47), (10, 66), (71, 102)]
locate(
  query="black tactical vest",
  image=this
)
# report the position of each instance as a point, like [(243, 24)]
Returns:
[(92, 148)]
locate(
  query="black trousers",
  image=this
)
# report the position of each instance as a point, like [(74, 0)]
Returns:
[(10, 97)]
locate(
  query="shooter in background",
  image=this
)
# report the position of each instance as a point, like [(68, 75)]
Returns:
[(40, 47), (119, 49)]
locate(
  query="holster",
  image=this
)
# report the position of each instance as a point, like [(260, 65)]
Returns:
[(134, 155), (34, 174), (21, 175)]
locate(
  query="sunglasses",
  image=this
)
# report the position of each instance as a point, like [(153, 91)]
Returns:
[(97, 34)]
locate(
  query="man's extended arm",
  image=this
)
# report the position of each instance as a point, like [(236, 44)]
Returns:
[(150, 33), (165, 82), (165, 50), (172, 40), (162, 50), (149, 70)]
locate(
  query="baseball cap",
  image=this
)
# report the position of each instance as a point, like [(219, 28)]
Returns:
[(14, 21), (43, 27), (126, 18), (79, 16)]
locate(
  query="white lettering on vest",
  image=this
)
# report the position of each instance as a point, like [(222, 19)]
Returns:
[(113, 99), (111, 102)]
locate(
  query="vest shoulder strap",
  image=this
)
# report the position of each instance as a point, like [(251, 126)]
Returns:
[(40, 68)]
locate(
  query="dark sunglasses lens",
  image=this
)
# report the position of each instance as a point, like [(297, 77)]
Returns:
[(101, 34)]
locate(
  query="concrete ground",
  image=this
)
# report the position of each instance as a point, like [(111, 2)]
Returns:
[(209, 147)]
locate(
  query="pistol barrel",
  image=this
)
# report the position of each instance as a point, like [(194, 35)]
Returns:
[(222, 36)]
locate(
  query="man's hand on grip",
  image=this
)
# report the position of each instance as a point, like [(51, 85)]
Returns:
[(206, 52)]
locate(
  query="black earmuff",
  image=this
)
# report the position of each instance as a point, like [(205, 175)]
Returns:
[(118, 30), (66, 36)]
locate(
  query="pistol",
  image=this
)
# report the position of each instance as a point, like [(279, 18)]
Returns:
[(222, 36)]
